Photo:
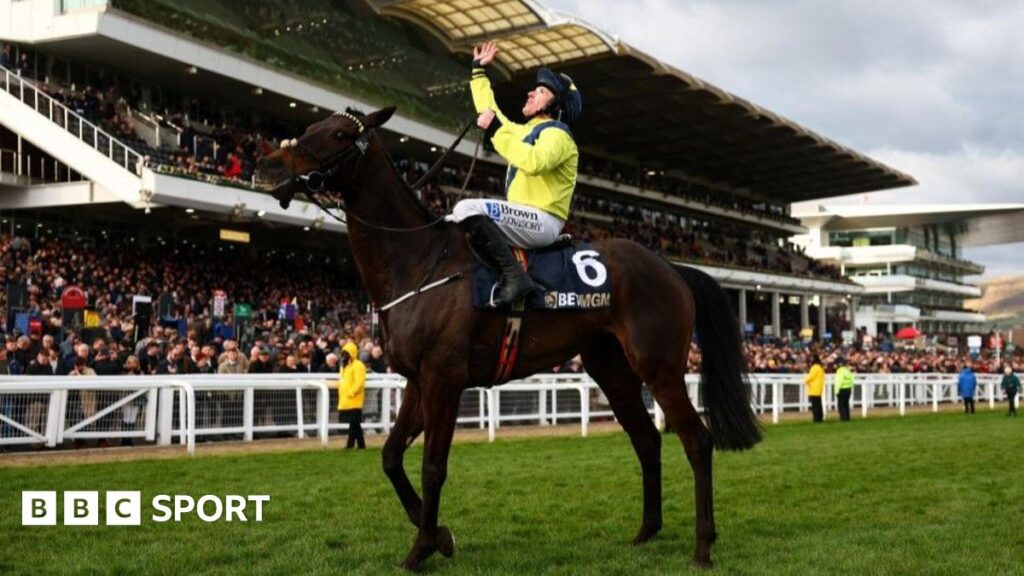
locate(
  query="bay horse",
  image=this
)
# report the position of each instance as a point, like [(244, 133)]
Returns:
[(443, 345)]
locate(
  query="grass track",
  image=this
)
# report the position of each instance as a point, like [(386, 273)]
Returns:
[(927, 494)]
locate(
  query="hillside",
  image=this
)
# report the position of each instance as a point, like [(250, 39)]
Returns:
[(1003, 300)]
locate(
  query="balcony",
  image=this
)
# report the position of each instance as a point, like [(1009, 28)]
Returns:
[(962, 266), (961, 316), (886, 284), (948, 287), (853, 255), (895, 313)]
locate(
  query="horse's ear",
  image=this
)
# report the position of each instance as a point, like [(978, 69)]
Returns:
[(378, 118)]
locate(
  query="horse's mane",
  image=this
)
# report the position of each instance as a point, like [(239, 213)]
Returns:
[(419, 207)]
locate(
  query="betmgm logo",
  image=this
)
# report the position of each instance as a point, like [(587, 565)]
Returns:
[(124, 508)]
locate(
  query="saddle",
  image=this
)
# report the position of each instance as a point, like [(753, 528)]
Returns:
[(571, 277)]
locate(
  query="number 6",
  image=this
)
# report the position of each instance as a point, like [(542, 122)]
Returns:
[(587, 259)]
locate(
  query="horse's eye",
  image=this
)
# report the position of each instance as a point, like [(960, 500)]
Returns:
[(340, 135)]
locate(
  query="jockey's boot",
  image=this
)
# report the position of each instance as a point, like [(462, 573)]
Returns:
[(487, 239)]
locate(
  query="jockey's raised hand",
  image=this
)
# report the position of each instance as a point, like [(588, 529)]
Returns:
[(484, 119), (485, 53)]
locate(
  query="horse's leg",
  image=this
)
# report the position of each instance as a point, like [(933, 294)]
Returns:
[(607, 365), (407, 427), (670, 392), (439, 405)]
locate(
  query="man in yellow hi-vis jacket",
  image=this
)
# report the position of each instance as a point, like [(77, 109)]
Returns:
[(844, 388), (542, 163)]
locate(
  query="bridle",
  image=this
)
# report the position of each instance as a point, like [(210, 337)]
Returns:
[(315, 181)]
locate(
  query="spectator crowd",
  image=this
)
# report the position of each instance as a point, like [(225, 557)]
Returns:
[(186, 337)]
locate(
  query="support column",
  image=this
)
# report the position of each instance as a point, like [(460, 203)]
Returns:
[(776, 315), (743, 309), (805, 312), (821, 317), (853, 314)]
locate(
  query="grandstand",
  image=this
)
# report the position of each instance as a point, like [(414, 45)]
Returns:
[(140, 122), (909, 259)]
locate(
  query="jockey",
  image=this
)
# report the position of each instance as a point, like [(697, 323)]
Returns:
[(542, 162)]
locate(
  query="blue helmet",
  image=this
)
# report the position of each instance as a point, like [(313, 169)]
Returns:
[(568, 103)]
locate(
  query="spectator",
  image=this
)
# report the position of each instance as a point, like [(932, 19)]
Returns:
[(229, 346), (105, 364), (86, 398), (967, 383), (5, 366), (40, 366), (815, 382), (844, 388), (351, 390), (262, 364), (202, 364), (174, 363), (130, 411), (23, 353), (35, 415), (231, 363), (1011, 386), (151, 360), (377, 363), (330, 364)]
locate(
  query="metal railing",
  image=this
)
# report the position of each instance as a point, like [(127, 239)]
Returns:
[(52, 410), (72, 122)]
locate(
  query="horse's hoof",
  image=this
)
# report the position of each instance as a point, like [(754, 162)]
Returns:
[(416, 557), (645, 534), (445, 542), (703, 564), (411, 562)]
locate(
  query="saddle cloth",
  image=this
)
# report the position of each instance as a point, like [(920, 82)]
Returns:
[(572, 277)]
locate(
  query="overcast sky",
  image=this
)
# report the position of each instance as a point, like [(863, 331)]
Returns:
[(934, 88)]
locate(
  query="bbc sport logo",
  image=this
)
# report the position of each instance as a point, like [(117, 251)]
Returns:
[(124, 508)]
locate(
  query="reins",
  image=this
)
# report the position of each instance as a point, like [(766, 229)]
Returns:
[(316, 180)]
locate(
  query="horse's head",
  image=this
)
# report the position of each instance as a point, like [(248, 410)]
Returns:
[(324, 158)]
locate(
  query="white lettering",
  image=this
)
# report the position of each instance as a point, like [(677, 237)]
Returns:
[(235, 505), (158, 503), (201, 509), (259, 500), (180, 503)]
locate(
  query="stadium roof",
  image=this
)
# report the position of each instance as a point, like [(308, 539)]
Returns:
[(643, 110)]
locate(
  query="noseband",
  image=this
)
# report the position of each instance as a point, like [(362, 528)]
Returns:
[(316, 180)]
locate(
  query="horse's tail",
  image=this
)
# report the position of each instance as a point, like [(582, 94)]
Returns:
[(724, 389)]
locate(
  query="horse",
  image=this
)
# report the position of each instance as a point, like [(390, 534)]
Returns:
[(443, 345)]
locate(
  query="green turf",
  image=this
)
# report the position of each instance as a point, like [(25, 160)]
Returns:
[(929, 494)]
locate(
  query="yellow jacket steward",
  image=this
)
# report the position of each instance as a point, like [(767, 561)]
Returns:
[(815, 381), (844, 378), (541, 174), (352, 383)]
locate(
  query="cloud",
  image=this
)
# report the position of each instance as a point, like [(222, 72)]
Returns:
[(1000, 261), (922, 74), (934, 88), (972, 173)]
